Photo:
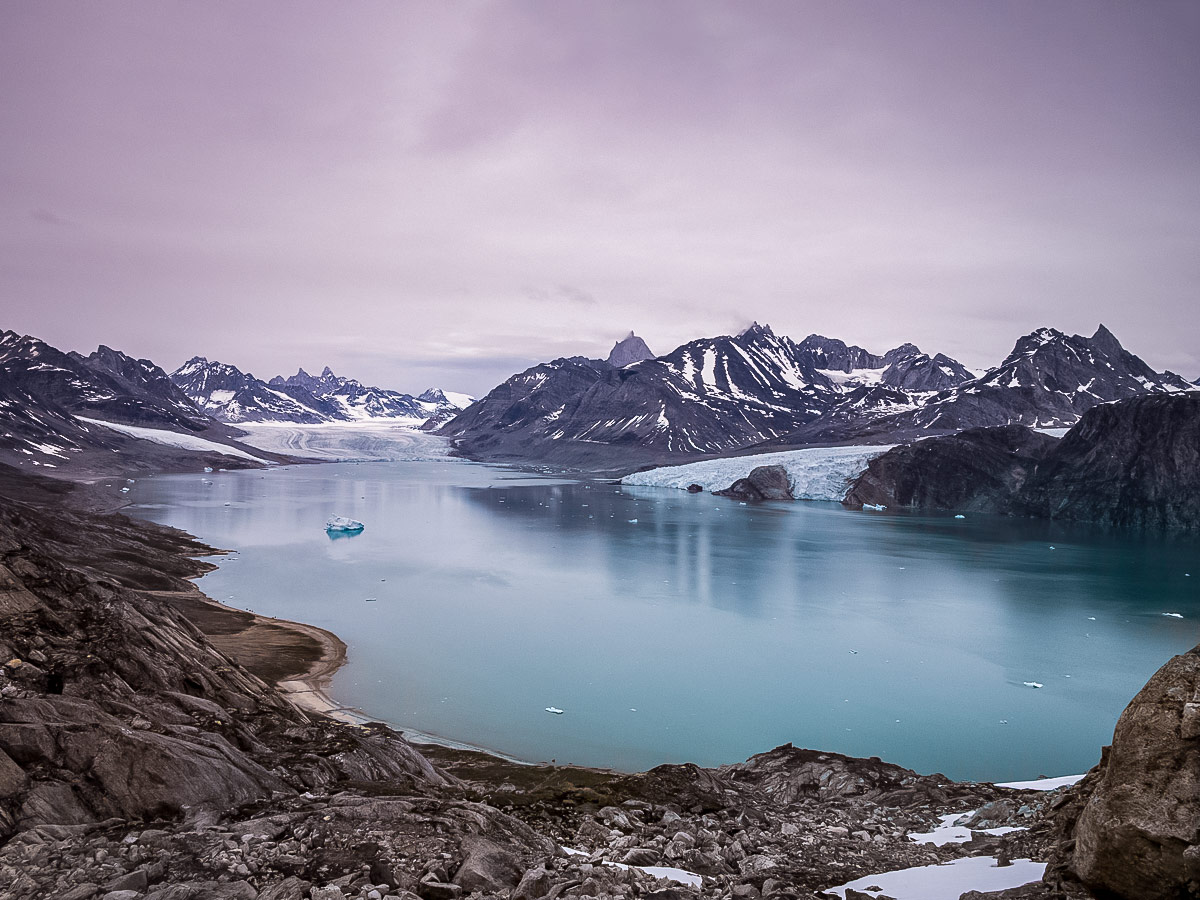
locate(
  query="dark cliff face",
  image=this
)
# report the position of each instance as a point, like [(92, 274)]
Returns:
[(978, 470), (1135, 463)]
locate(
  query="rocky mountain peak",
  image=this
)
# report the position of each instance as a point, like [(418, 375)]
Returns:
[(756, 330), (1107, 342), (629, 350)]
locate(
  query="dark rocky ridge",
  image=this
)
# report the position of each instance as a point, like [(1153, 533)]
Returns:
[(133, 755), (1135, 463)]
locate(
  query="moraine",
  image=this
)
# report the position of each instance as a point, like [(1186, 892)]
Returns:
[(705, 630)]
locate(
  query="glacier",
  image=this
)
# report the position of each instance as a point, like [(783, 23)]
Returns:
[(814, 473)]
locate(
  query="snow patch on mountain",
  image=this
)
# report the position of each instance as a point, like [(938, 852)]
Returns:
[(174, 439), (817, 473)]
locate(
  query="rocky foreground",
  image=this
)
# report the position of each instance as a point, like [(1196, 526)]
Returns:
[(138, 761)]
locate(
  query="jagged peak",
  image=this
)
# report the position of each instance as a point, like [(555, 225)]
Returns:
[(629, 350), (327, 373), (1107, 341), (755, 329)]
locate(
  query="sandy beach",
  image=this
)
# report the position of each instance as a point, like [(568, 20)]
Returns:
[(299, 659)]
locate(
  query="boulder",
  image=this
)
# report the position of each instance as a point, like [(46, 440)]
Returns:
[(487, 867), (763, 483), (1136, 833)]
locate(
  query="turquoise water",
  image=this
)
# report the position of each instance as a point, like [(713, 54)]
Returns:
[(706, 631)]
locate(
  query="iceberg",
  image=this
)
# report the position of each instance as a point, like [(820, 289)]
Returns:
[(555, 710), (343, 525)]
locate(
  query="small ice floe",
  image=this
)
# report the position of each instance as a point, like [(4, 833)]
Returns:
[(854, 652), (960, 516), (130, 481), (343, 525), (1052, 547), (555, 710), (878, 507), (1173, 615), (1032, 684), (633, 521), (208, 468), (124, 490), (1091, 618)]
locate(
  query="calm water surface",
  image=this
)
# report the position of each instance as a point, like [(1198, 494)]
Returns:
[(705, 631)]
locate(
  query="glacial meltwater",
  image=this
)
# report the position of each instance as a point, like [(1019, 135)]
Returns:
[(674, 627)]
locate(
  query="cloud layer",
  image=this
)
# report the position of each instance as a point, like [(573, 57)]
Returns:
[(425, 193)]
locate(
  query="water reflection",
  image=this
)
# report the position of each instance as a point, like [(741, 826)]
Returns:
[(705, 629)]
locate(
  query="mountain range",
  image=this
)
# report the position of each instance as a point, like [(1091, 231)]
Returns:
[(110, 412), (746, 393), (758, 391), (227, 394)]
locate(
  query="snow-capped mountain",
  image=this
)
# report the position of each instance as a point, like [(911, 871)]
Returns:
[(628, 350), (100, 413), (760, 390), (708, 396), (1048, 380), (227, 393), (352, 399), (106, 385), (230, 395)]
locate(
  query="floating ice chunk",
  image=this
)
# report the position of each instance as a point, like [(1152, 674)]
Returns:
[(343, 524), (1033, 684), (555, 710), (208, 468), (1173, 615), (960, 516), (878, 507), (124, 490), (633, 521)]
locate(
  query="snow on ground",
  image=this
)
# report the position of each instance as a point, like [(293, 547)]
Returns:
[(948, 882), (1042, 784), (174, 439), (347, 441), (948, 833), (1053, 432), (682, 876), (815, 473)]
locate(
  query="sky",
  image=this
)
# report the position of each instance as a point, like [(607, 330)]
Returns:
[(427, 193)]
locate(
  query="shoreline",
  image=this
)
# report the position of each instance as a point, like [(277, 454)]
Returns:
[(240, 634)]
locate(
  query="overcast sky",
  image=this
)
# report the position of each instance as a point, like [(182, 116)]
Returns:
[(422, 193)]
